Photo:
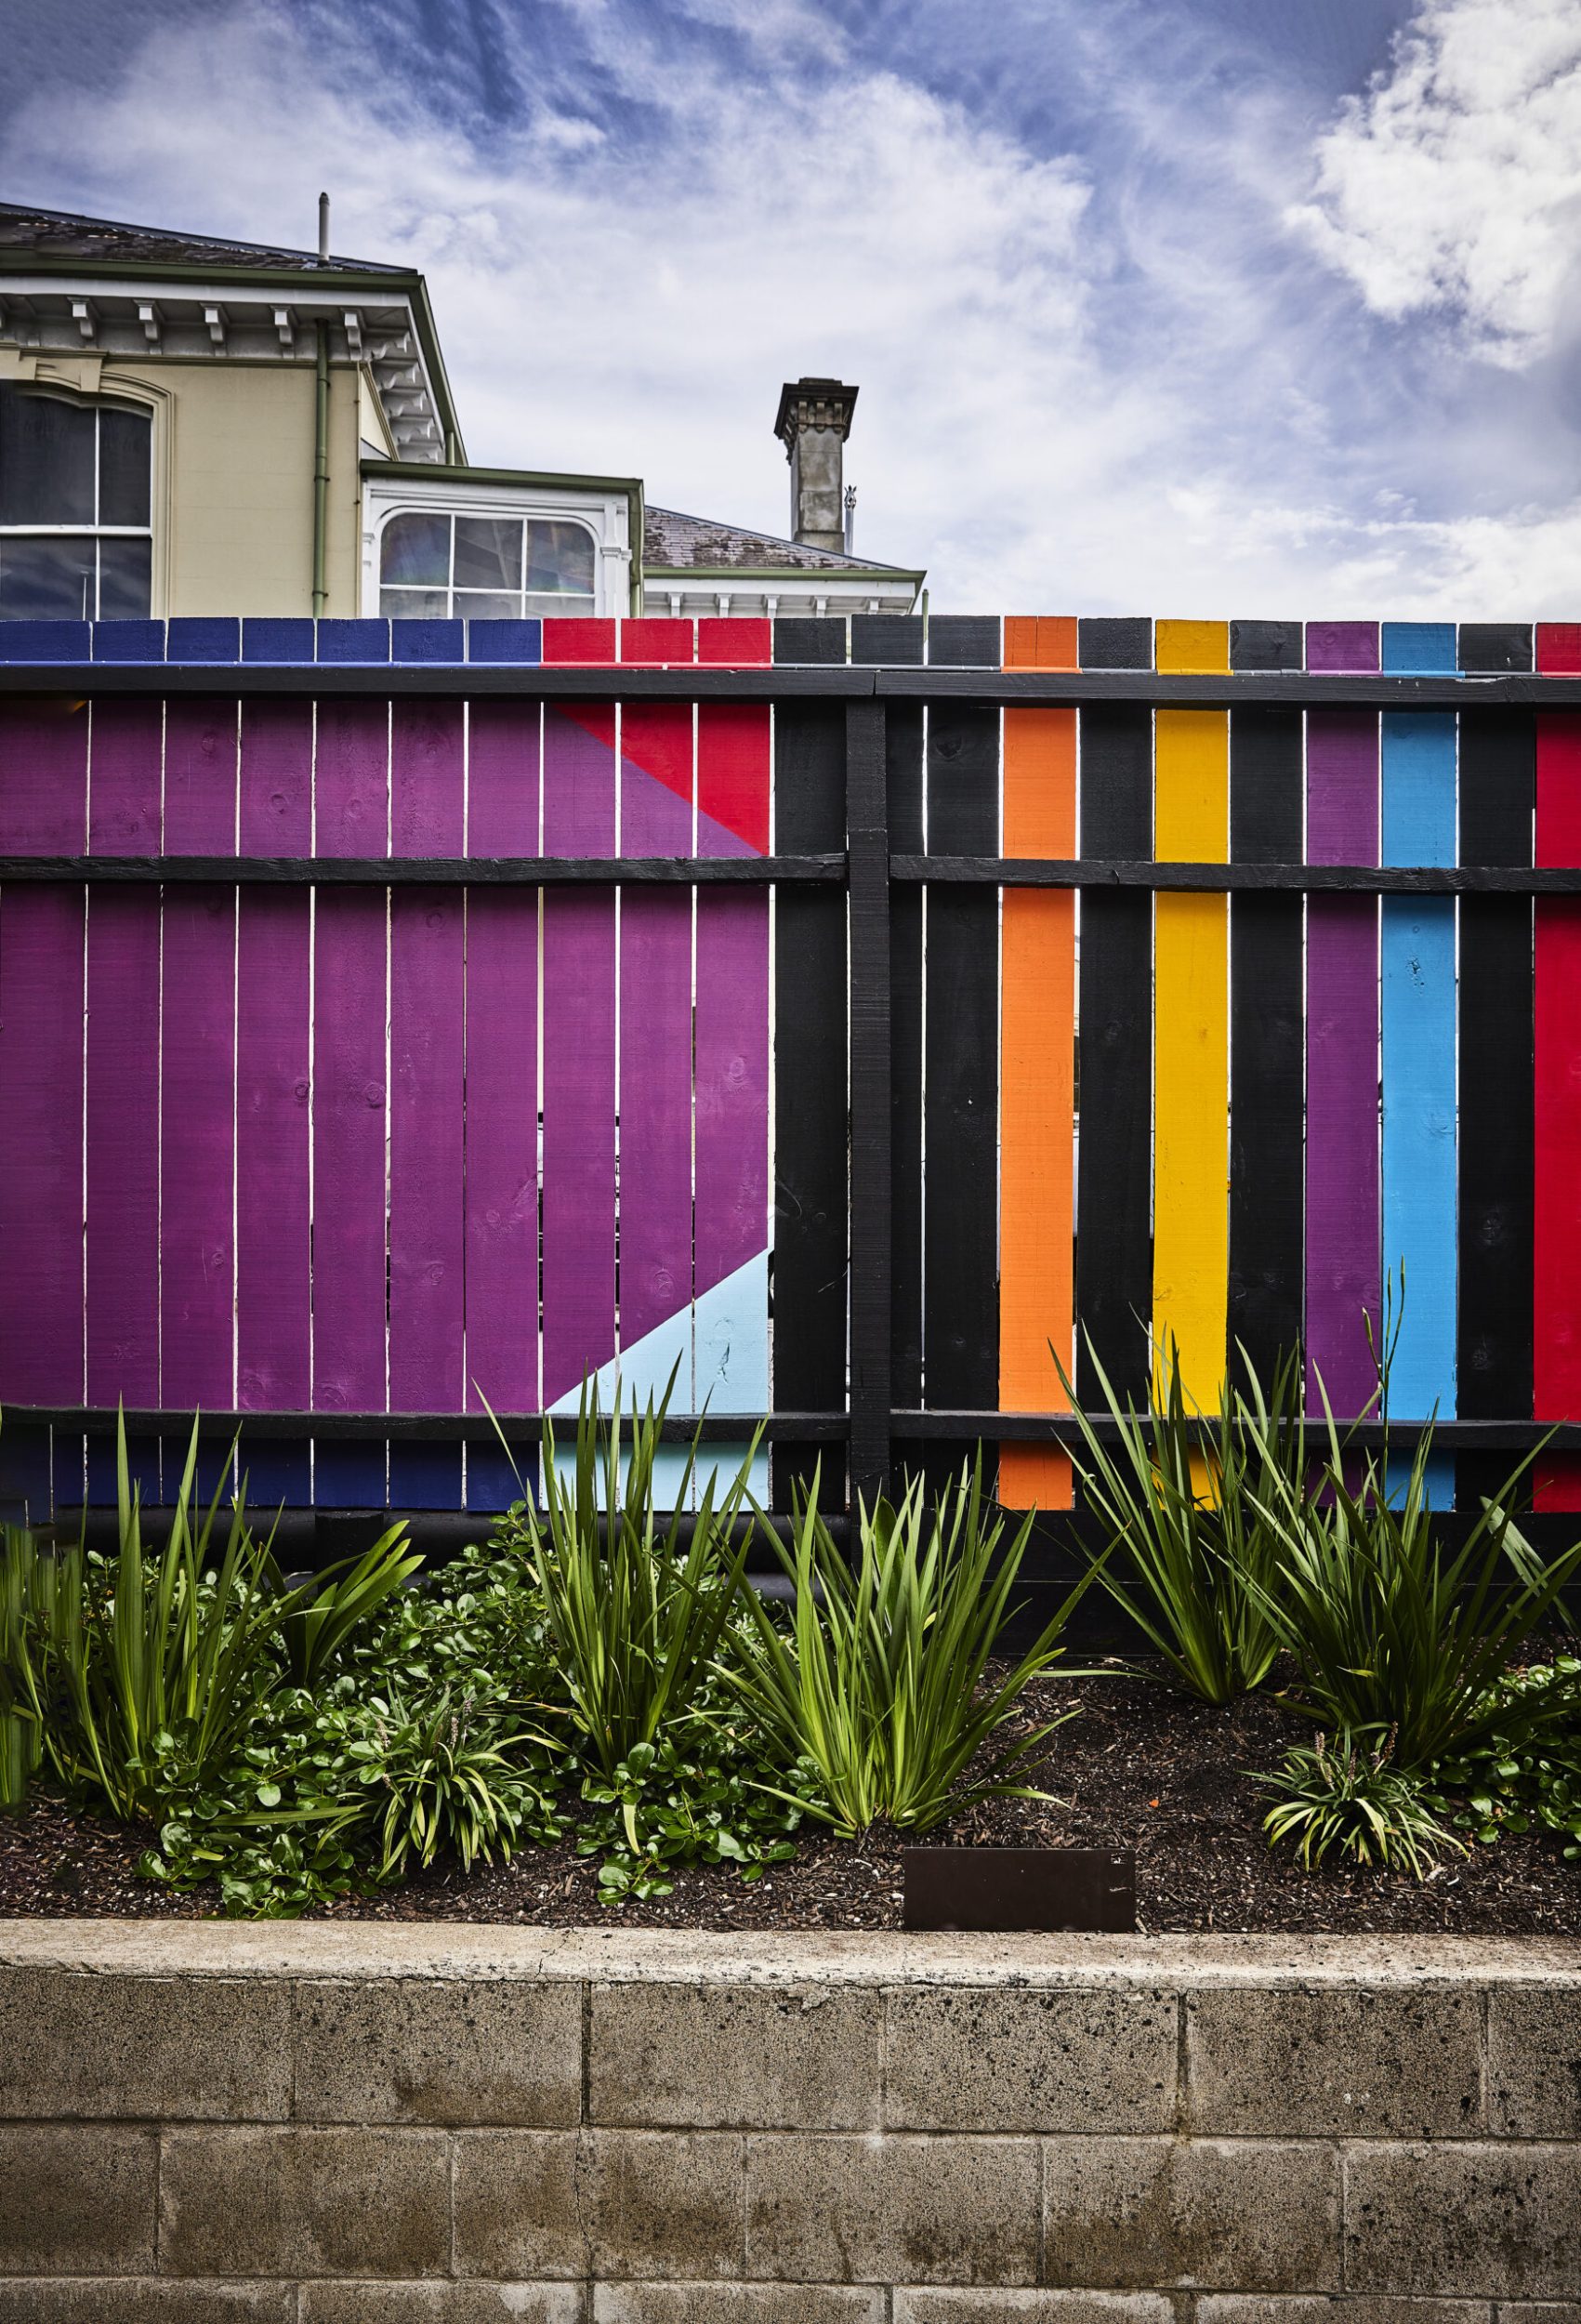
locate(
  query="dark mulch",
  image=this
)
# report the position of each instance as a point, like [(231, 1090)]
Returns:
[(1139, 1768)]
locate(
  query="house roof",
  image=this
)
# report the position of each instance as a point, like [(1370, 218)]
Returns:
[(673, 543), (57, 234)]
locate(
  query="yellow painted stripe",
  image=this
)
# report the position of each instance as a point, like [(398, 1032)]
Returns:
[(1191, 1253)]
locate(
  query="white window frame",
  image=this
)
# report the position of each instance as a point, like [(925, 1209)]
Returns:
[(605, 516)]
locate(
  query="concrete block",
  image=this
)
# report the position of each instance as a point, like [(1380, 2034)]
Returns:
[(1033, 2307), (737, 2303), (304, 2202), (144, 2300), (1535, 2062), (1231, 2214), (617, 2203), (1490, 2221), (892, 2210), (518, 2206), (444, 2304), (1235, 2307), (1049, 2060), (76, 2200), (1314, 2064), (177, 2049), (433, 2050), (666, 2203), (1538, 2312), (734, 2056)]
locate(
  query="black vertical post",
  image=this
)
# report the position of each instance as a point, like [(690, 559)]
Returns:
[(867, 828)]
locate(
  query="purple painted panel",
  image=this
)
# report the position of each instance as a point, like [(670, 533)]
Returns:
[(351, 817), (426, 777), (656, 1031), (733, 1083), (426, 994), (1344, 1248), (276, 809), (1342, 645), (732, 1008), (502, 1067), (121, 1157), (200, 777), (272, 1294), (502, 1150), (273, 1299), (426, 1009), (41, 1180), (579, 1058), (197, 1289), (124, 794), (349, 1155), (504, 745), (43, 755), (197, 1064), (351, 779)]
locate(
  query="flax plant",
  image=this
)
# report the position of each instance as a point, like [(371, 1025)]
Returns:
[(1391, 1630), (636, 1602), (21, 1724), (880, 1690), (1194, 1557)]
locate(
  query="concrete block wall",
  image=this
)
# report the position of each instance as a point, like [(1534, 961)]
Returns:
[(327, 2123)]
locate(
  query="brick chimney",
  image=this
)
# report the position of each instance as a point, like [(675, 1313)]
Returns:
[(812, 423)]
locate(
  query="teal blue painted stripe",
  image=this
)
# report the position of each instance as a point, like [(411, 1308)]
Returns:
[(1418, 1019)]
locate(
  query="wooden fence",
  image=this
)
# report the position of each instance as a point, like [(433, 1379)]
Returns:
[(393, 1019)]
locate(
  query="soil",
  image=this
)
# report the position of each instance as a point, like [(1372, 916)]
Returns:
[(1141, 1767)]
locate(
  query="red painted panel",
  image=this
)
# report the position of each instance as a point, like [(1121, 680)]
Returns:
[(570, 641), (1556, 1350)]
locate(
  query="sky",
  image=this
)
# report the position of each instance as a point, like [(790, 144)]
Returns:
[(1203, 308)]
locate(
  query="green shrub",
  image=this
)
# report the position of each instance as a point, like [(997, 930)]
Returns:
[(634, 1604), (877, 1697), (1191, 1555), (1524, 1773), (1353, 1799), (1388, 1629)]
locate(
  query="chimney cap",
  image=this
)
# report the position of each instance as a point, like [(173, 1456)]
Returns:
[(813, 402)]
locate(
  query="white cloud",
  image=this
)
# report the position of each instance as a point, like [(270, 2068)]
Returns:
[(626, 300), (1454, 181)]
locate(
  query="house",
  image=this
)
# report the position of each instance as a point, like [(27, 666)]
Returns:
[(194, 426)]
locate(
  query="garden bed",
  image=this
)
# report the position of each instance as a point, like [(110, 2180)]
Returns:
[(1140, 1767)]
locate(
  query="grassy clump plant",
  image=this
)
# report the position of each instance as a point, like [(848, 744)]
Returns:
[(879, 1693), (1191, 1556), (1391, 1630), (1351, 1797)]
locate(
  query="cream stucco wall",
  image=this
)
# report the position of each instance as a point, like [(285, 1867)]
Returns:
[(234, 484)]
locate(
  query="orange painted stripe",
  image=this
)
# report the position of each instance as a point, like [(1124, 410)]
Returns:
[(1037, 1072)]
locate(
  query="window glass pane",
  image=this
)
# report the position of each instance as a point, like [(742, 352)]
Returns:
[(488, 604), (558, 602), (45, 459), (124, 572), (488, 552), (124, 439), (560, 556), (414, 604), (46, 579), (416, 548)]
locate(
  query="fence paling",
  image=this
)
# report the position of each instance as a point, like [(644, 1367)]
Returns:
[(919, 1324)]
